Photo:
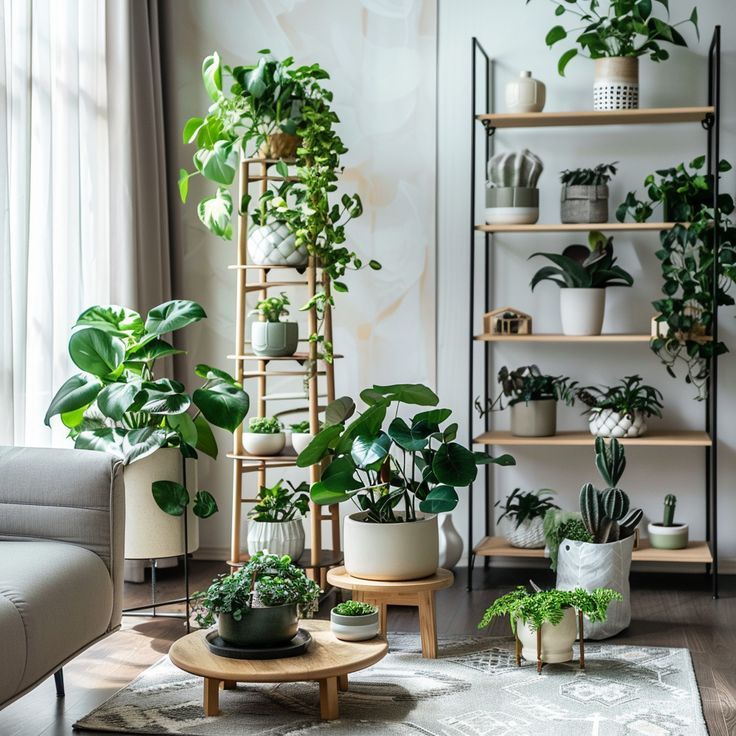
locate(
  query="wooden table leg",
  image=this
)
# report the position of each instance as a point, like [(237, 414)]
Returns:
[(428, 625), (211, 696), (342, 682), (328, 707), (229, 684)]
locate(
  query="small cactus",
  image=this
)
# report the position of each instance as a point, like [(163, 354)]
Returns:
[(670, 501), (521, 169), (610, 460), (615, 504)]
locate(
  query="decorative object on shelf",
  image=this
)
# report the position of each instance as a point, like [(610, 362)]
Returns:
[(400, 477), (275, 522), (354, 621), (450, 542), (544, 621), (507, 321), (524, 514), (533, 398), (272, 336), (274, 244), (615, 39), (584, 195), (606, 560), (264, 437), (667, 534), (621, 410), (525, 94), (583, 274), (512, 197), (300, 435)]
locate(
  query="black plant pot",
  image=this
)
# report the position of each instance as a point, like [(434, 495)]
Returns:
[(260, 627)]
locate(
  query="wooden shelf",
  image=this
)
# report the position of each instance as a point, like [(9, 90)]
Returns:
[(646, 116), (263, 285), (662, 438), (328, 558), (576, 227), (695, 552), (300, 357), (554, 337), (253, 267)]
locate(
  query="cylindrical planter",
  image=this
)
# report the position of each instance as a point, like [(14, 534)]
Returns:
[(590, 566), (610, 423), (400, 551), (277, 537), (616, 85), (534, 418), (528, 535), (300, 440), (450, 542), (260, 627), (274, 244), (354, 628), (525, 94), (274, 339), (584, 203), (256, 443), (512, 206), (280, 145), (668, 537), (582, 311), (557, 640)]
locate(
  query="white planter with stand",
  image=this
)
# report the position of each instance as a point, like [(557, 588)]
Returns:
[(582, 311), (557, 640)]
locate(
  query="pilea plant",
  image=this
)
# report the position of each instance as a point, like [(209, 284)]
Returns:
[(264, 425), (629, 395), (281, 502), (273, 308), (601, 174), (521, 506)]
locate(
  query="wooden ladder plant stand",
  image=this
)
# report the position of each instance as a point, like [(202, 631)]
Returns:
[(540, 664)]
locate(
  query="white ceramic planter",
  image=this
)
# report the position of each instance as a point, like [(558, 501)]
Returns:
[(528, 535), (582, 310), (275, 245), (609, 423), (534, 418), (401, 551), (557, 640), (278, 537), (274, 339), (354, 628), (616, 85), (299, 441), (668, 537), (256, 443)]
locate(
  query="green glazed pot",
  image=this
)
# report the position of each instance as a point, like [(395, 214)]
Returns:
[(275, 339), (260, 627), (668, 537)]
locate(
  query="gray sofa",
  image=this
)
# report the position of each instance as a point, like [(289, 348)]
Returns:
[(61, 560)]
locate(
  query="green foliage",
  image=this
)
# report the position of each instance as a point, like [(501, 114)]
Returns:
[(560, 525), (548, 606), (626, 28), (273, 308), (173, 498), (601, 174), (264, 425), (629, 395), (670, 502), (280, 503), (300, 427), (524, 506), (354, 608)]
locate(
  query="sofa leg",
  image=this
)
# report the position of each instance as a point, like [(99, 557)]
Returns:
[(59, 681)]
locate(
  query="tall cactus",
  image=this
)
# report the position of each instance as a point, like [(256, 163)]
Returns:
[(610, 460), (670, 501)]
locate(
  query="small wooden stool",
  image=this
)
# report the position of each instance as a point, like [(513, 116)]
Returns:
[(383, 593)]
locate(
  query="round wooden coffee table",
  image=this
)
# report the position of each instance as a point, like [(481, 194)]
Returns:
[(328, 661), (383, 593)]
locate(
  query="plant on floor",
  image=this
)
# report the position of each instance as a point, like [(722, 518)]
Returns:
[(354, 608), (523, 506), (264, 425), (601, 174), (273, 308), (559, 525), (626, 28), (281, 503)]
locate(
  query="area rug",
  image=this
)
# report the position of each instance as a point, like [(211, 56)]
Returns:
[(473, 688)]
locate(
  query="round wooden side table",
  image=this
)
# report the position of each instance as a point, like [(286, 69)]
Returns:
[(328, 661), (383, 593)]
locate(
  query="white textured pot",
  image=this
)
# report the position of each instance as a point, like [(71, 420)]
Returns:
[(278, 537), (274, 245), (401, 551), (450, 542), (536, 418), (274, 339), (582, 310), (257, 443), (557, 640), (354, 628), (610, 423), (528, 535), (151, 533), (616, 85), (300, 440), (525, 94)]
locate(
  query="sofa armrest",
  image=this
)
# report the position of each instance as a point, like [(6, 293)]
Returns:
[(73, 496)]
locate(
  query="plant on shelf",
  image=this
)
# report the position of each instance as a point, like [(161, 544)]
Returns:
[(583, 274), (585, 194), (300, 427), (667, 534), (354, 621), (512, 195), (524, 512), (265, 436), (399, 472), (596, 177), (300, 435), (621, 410), (272, 335)]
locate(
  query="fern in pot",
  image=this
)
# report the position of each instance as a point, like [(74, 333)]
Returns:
[(273, 336), (584, 195), (523, 517)]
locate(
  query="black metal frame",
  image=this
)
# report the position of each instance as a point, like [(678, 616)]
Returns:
[(711, 123)]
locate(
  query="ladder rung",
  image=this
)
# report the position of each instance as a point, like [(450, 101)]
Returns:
[(261, 285)]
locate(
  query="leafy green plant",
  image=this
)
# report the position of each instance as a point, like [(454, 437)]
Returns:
[(627, 28), (300, 427), (406, 467), (264, 425), (559, 525), (628, 396), (354, 608), (273, 308), (601, 174), (548, 606), (281, 503), (521, 506), (584, 267)]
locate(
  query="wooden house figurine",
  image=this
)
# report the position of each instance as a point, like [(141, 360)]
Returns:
[(507, 321)]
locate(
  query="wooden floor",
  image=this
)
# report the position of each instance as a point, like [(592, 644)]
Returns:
[(668, 610)]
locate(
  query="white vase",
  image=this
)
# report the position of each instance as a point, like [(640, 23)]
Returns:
[(450, 543), (610, 423), (277, 537), (525, 94), (274, 244), (256, 443), (616, 85), (582, 311), (557, 640)]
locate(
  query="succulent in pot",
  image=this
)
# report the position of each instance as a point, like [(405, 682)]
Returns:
[(583, 274), (260, 604), (275, 522), (354, 621), (399, 472), (667, 534), (524, 514), (621, 410), (584, 195), (272, 336), (264, 437), (512, 196), (300, 435)]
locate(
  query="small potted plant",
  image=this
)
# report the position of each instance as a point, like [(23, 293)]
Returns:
[(260, 604), (300, 435), (264, 437), (668, 535), (354, 621), (275, 522), (621, 410), (271, 240), (552, 612), (532, 396), (272, 336), (583, 274), (585, 193), (524, 512), (512, 196)]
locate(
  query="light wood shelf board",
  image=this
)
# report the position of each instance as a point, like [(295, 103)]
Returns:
[(254, 267), (554, 337), (260, 286), (576, 227), (299, 357), (663, 438), (328, 558)]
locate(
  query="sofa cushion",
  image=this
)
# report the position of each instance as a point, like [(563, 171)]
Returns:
[(62, 598)]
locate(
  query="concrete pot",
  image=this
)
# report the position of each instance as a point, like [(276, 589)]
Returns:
[(557, 640), (276, 537), (257, 443), (271, 626), (668, 537), (582, 311), (534, 418), (511, 206), (274, 339), (584, 203), (616, 85), (354, 628)]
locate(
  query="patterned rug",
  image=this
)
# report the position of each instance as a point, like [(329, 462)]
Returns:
[(473, 688)]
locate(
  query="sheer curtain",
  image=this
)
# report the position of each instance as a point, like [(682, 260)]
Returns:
[(83, 214)]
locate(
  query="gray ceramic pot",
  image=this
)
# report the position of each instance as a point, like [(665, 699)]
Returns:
[(584, 203), (534, 419), (275, 339), (260, 627), (511, 205)]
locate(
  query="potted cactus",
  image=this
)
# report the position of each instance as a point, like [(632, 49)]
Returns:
[(605, 561), (273, 336), (264, 437), (512, 197), (354, 621), (585, 193), (523, 513), (668, 535)]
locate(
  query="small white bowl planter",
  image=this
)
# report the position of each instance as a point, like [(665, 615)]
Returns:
[(582, 311), (557, 640), (536, 418), (299, 441), (610, 423), (276, 537), (354, 628), (257, 443), (668, 537)]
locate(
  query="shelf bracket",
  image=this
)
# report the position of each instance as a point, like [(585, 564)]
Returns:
[(708, 121), (490, 128)]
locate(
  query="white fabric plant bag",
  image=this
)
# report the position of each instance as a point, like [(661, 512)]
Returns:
[(591, 566)]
